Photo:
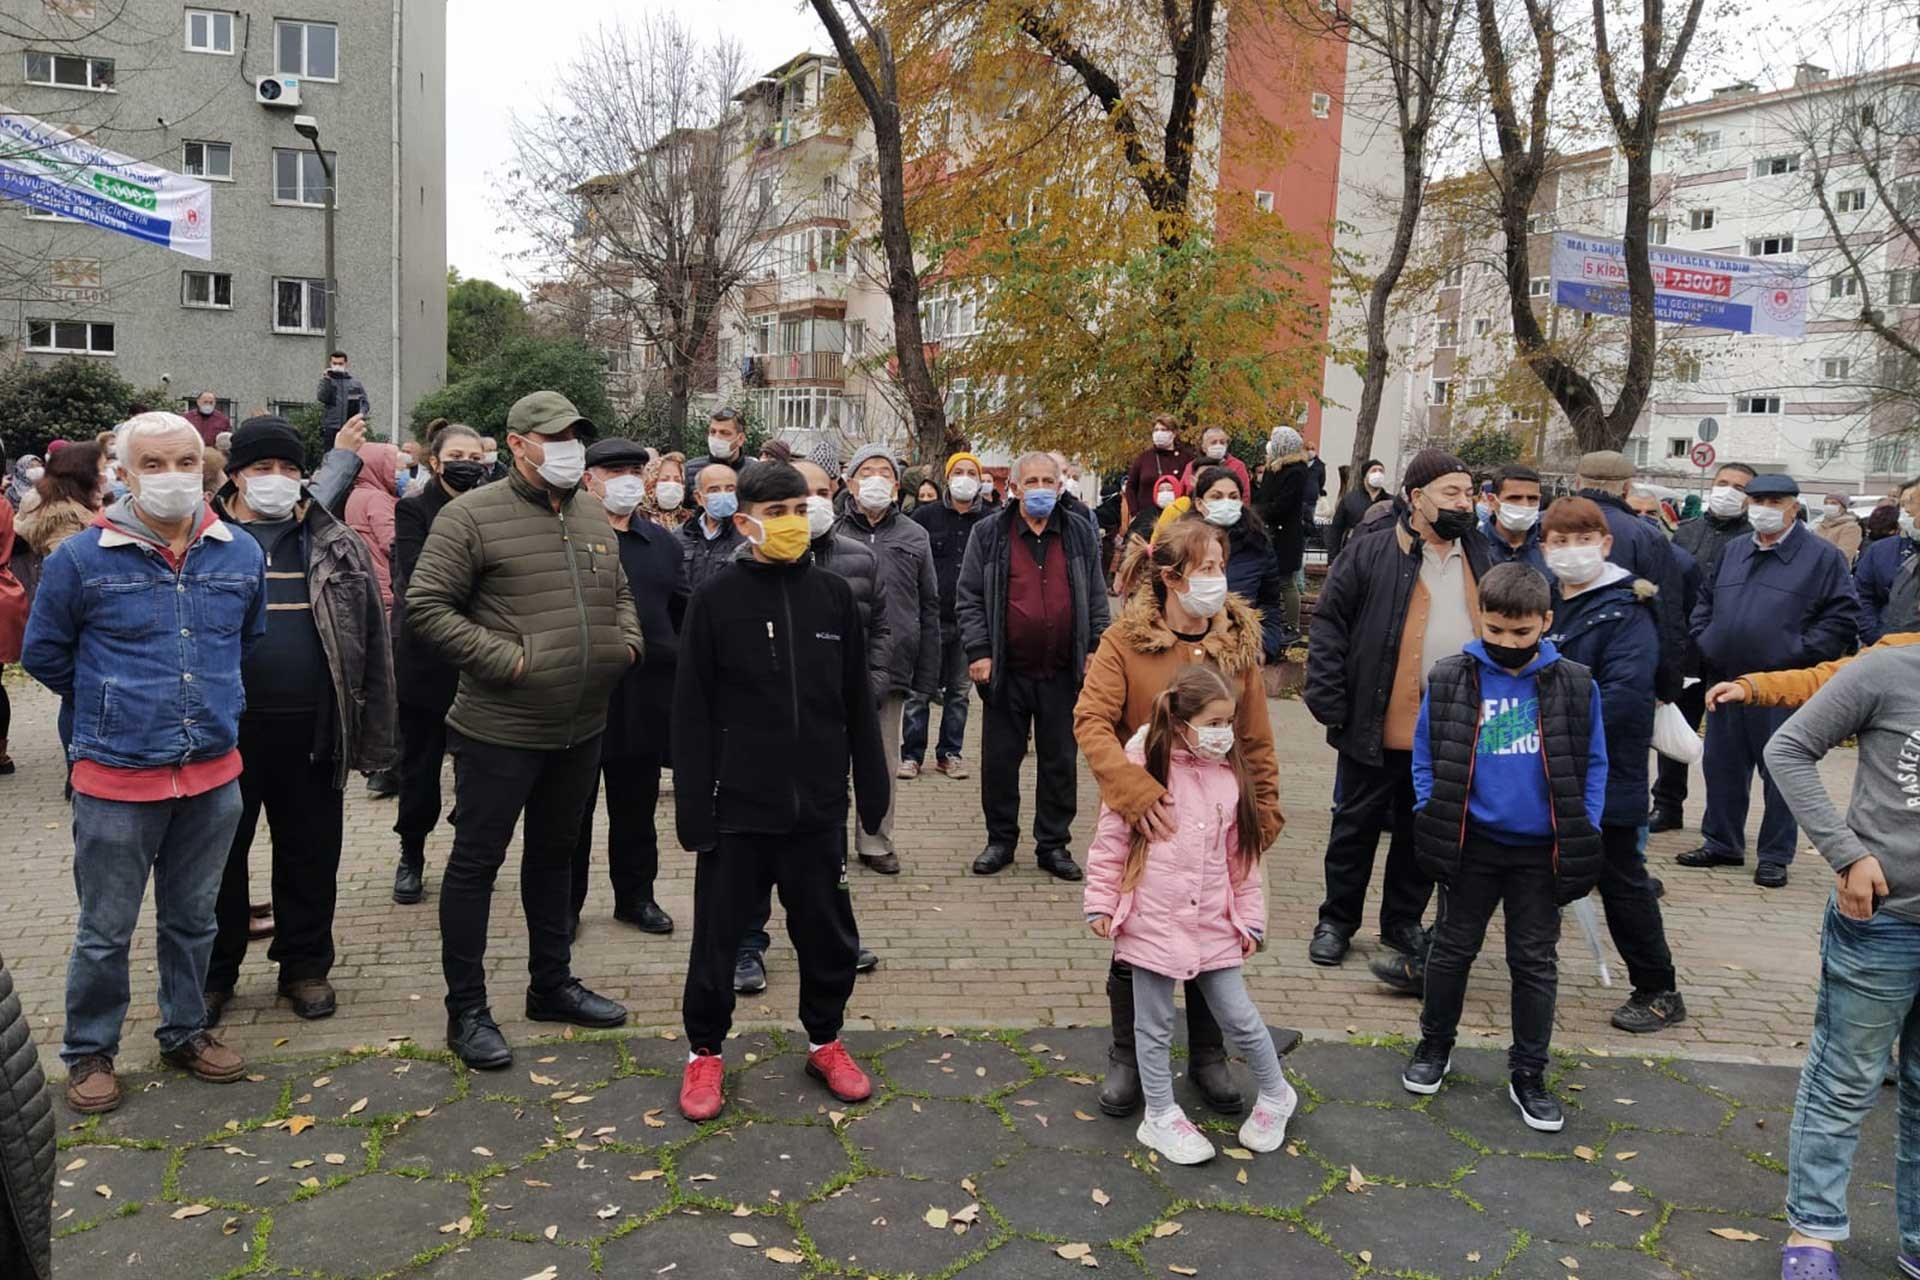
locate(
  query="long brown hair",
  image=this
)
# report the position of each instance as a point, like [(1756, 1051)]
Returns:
[(1185, 697), (1179, 545), (72, 475)]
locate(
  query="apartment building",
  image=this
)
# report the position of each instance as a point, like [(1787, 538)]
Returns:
[(1733, 177), (179, 86)]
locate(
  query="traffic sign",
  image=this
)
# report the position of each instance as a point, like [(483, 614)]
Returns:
[(1708, 429), (1702, 454)]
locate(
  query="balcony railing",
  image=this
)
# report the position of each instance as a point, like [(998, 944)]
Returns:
[(797, 289), (793, 366)]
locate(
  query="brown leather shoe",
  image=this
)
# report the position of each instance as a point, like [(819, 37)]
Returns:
[(310, 997), (91, 1086), (203, 1055)]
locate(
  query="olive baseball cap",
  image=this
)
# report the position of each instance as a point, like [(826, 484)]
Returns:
[(547, 413)]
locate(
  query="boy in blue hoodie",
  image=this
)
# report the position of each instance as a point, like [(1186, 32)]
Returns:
[(1510, 781)]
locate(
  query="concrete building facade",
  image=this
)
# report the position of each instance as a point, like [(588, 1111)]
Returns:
[(176, 85)]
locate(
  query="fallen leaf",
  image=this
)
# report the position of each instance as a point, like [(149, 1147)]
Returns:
[(281, 1043), (1366, 1255), (653, 1120), (1072, 1251), (1101, 1198), (1734, 1233), (79, 1162), (1625, 1155), (552, 1232), (1625, 1102), (322, 1082), (936, 1218), (298, 1125), (461, 1225), (104, 1191), (1583, 1153), (1179, 1270), (579, 1099), (535, 1182), (968, 1216), (785, 1257), (1081, 1115), (1621, 1185), (606, 1129), (309, 1182), (744, 1240), (230, 1226), (1166, 1229), (1631, 1213), (703, 1177), (1079, 1079), (548, 1273), (741, 1211), (1584, 1218), (1474, 1256), (1236, 1153), (536, 1078), (263, 1180), (1570, 1262), (835, 1118), (1356, 1180), (190, 1211), (1241, 1177), (608, 1212), (302, 1164), (357, 1107), (483, 1152)]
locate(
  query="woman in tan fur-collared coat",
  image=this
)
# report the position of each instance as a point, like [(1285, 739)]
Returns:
[(1155, 636)]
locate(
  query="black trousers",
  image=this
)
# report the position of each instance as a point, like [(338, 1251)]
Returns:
[(423, 745), (492, 785), (1633, 913), (1521, 880), (1368, 800), (1043, 706), (306, 821), (633, 848), (809, 868), (1670, 784)]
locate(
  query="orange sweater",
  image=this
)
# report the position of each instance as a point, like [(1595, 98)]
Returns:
[(1793, 688)]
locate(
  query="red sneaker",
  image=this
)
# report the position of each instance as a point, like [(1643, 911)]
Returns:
[(833, 1066), (700, 1096)]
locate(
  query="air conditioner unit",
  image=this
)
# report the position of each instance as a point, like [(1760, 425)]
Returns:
[(277, 91)]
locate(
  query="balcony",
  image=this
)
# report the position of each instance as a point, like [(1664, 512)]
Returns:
[(802, 289), (793, 366), (825, 207)]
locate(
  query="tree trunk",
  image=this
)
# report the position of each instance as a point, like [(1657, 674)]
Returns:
[(678, 394)]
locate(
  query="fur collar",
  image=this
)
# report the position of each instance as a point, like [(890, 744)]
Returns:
[(1232, 648)]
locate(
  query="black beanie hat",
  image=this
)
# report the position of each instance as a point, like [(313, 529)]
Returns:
[(267, 436), (1429, 465)]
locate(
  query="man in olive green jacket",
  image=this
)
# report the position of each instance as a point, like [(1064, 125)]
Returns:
[(519, 586)]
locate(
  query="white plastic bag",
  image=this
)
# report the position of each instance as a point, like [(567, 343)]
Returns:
[(1673, 737)]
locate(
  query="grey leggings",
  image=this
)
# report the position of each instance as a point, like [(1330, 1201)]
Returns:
[(1226, 993)]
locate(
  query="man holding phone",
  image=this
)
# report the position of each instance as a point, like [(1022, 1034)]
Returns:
[(341, 396)]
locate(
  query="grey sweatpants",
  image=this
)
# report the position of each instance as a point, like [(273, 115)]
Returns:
[(872, 846), (1246, 1031)]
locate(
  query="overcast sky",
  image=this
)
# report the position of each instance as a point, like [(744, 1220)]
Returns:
[(497, 59)]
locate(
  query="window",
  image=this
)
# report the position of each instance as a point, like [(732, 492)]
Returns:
[(1537, 223), (1699, 219), (1852, 200), (1706, 142), (307, 49), (299, 306), (1756, 404), (856, 339), (1479, 386), (1769, 246), (1263, 201), (1442, 391), (71, 337), (1906, 197), (1835, 368), (1540, 287), (1454, 277), (1826, 449), (1888, 456), (209, 32), (1686, 369), (1482, 325), (213, 160), (1447, 333), (70, 71), (1641, 447), (212, 289), (1774, 166), (1843, 286), (285, 408), (1865, 116), (1657, 230), (1678, 446), (1322, 105), (298, 177)]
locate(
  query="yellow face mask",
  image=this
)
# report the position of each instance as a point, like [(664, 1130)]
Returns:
[(782, 538)]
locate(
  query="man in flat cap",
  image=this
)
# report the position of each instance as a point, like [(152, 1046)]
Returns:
[(1780, 600), (1604, 476)]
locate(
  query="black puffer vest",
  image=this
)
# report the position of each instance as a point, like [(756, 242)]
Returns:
[(1453, 729), (26, 1146)]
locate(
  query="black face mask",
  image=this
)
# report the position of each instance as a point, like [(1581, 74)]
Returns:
[(1512, 657), (462, 476), (1451, 525)]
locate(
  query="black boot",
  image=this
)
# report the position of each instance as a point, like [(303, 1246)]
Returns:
[(408, 877), (1120, 1091)]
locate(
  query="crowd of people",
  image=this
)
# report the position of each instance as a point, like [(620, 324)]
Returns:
[(233, 633)]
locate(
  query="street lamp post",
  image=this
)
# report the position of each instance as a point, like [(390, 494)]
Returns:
[(308, 128)]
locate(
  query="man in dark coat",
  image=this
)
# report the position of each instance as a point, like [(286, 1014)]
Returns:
[(1640, 549), (1354, 504), (709, 539), (1880, 566), (948, 522)]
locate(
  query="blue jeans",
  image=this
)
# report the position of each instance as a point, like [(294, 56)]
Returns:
[(183, 844), (1869, 1000), (955, 688)]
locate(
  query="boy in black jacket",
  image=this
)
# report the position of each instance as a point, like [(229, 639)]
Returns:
[(771, 704)]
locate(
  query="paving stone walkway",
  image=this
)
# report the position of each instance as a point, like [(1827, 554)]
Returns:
[(982, 1156)]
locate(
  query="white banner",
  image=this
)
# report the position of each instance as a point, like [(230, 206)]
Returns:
[(43, 165), (1746, 295)]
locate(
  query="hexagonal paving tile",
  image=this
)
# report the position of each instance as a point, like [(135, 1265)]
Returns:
[(231, 1171), (389, 1085), (1080, 1049), (1544, 1197), (1047, 1113), (1051, 1193), (1018, 1259), (130, 1175), (1689, 1243), (150, 1244), (1631, 1094), (696, 1245), (571, 1064), (780, 1089), (467, 1136), (935, 1138), (1276, 1181), (758, 1163), (954, 1066), (1413, 1229), (1224, 1244), (487, 1258), (585, 1194), (171, 1107), (879, 1224), (1406, 1146), (652, 1053), (391, 1218), (1352, 1073), (1701, 1173), (1541, 1261), (1484, 1113), (629, 1104), (1771, 1088)]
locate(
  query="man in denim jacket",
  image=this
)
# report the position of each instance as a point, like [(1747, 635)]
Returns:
[(140, 627)]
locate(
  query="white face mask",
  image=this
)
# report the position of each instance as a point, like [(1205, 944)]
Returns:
[(1376, 479), (1835, 512), (34, 474), (206, 409), (1216, 451), (1224, 512), (1725, 501), (964, 488), (875, 493), (669, 494), (271, 497), (1212, 741), (623, 494), (1576, 565), (563, 462), (1906, 523), (1163, 439), (1164, 498), (1515, 518), (1204, 597), (819, 515), (169, 495), (719, 447), (1766, 519), (1071, 486)]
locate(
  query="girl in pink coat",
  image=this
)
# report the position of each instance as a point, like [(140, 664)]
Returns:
[(1190, 908)]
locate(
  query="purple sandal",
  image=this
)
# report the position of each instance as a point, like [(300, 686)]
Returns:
[(1808, 1262)]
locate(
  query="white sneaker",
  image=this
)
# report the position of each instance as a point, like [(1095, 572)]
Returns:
[(1266, 1125), (1176, 1139)]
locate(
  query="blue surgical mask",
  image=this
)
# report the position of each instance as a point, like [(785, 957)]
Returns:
[(721, 504), (1039, 503)]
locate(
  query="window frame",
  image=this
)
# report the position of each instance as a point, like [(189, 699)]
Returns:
[(54, 59), (203, 144), (1678, 447), (302, 73), (306, 307), (1743, 405), (210, 15), (1321, 105), (1836, 368), (1544, 291), (213, 303), (1700, 219), (1263, 201), (1783, 243), (53, 347), (1843, 285), (1482, 326), (1687, 369), (1850, 200), (1776, 166), (304, 155)]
